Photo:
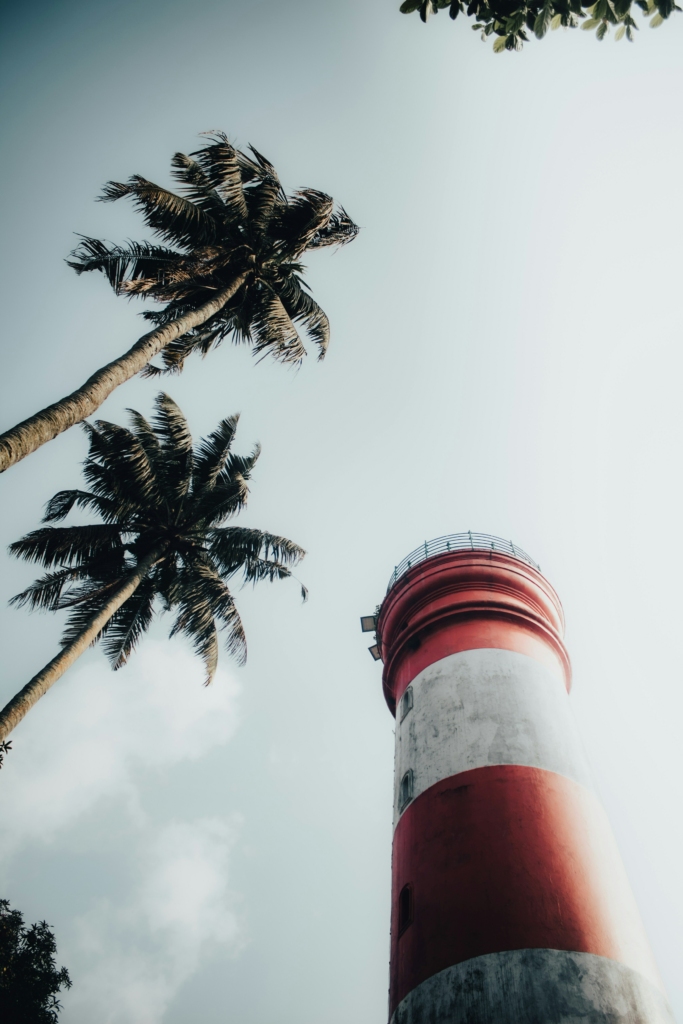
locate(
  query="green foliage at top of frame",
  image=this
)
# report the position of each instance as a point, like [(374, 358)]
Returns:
[(510, 23)]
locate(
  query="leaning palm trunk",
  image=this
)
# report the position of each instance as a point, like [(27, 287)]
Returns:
[(30, 434), (21, 704)]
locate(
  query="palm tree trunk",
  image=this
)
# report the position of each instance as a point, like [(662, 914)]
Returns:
[(30, 434), (22, 702)]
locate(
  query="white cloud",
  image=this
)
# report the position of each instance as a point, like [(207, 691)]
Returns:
[(134, 959), (85, 740), (99, 736)]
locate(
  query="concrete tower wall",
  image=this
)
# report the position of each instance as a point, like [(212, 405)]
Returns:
[(510, 902), (486, 707)]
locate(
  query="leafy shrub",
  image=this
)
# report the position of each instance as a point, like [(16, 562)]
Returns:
[(29, 978)]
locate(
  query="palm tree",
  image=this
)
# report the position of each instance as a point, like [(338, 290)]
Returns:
[(161, 504), (230, 268)]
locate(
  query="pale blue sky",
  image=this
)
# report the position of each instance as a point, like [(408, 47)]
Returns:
[(505, 357)]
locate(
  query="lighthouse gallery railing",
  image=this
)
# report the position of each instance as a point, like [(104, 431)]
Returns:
[(459, 542)]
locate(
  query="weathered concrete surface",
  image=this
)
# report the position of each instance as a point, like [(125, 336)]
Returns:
[(535, 986), (486, 707)]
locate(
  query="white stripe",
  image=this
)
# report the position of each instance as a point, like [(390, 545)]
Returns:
[(479, 708), (535, 986)]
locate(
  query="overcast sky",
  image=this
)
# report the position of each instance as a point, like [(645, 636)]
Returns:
[(505, 357)]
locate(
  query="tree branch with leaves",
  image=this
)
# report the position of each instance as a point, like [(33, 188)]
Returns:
[(510, 23), (30, 980)]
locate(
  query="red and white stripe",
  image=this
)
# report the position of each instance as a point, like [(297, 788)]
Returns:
[(510, 903)]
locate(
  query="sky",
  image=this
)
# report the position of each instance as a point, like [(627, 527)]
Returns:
[(505, 358)]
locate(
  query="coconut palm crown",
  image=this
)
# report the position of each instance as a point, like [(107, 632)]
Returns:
[(227, 263), (162, 506), (231, 221)]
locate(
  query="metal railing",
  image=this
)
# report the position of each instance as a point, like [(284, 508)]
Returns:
[(459, 542)]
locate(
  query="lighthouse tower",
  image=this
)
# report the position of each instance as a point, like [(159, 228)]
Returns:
[(510, 903)]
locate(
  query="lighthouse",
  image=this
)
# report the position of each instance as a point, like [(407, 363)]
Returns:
[(510, 903)]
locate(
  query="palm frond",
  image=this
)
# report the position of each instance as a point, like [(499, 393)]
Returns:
[(101, 472), (68, 545), (147, 437), (123, 264), (195, 621), (196, 185), (262, 202), (171, 427), (240, 467), (229, 492), (233, 320), (258, 569), (339, 230), (251, 170), (303, 309), (211, 453), (273, 331), (219, 162), (208, 584), (212, 507), (171, 216), (45, 594), (172, 311), (263, 162), (175, 354), (127, 459), (96, 584), (124, 509), (306, 215), (202, 598), (127, 626), (233, 547), (85, 602), (59, 506)]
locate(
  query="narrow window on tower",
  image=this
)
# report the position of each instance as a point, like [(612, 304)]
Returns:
[(405, 908), (405, 793), (406, 702)]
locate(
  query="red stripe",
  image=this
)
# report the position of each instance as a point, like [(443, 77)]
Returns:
[(503, 858), (468, 635), (465, 600)]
